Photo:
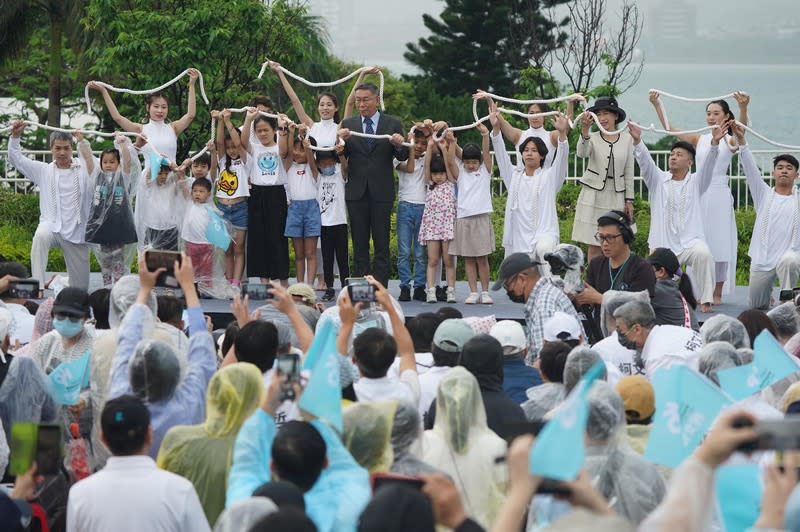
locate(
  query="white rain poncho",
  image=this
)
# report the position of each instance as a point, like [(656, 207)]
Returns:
[(722, 328), (25, 395), (159, 210), (542, 399), (463, 447), (242, 515), (579, 361), (110, 229), (786, 320), (716, 356), (406, 433), (612, 300)]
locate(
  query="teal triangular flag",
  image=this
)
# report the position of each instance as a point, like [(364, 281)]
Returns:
[(323, 394), (770, 364)]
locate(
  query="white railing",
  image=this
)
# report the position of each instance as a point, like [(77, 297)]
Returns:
[(10, 178)]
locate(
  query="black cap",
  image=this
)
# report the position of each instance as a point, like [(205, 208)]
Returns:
[(614, 217), (665, 258), (72, 301), (608, 103), (511, 266), (124, 417)]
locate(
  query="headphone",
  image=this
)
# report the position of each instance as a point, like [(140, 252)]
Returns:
[(622, 220)]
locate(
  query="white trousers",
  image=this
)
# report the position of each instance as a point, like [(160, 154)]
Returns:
[(699, 257), (787, 271), (75, 255)]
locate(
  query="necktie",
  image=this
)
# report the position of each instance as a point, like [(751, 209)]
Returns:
[(369, 130)]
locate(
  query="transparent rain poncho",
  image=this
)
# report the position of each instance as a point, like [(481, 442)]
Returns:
[(579, 361), (368, 433), (42, 324), (786, 319), (542, 399), (25, 395), (110, 229), (154, 371), (722, 328), (612, 300), (633, 486), (242, 515), (160, 206), (463, 447), (406, 433), (204, 453), (716, 356)]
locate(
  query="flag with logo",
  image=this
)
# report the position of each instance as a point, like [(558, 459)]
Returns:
[(68, 378), (686, 405), (323, 393), (558, 453), (739, 491), (216, 232), (770, 364)]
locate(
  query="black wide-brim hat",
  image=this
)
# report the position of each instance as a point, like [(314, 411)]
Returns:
[(607, 103)]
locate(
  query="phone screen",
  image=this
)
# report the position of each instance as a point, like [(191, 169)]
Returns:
[(779, 434), (28, 289), (257, 291), (387, 479), (288, 364), (155, 259), (364, 293)]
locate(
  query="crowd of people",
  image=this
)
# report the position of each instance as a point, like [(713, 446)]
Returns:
[(169, 424)]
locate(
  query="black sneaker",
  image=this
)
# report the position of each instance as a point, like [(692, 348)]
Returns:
[(419, 294), (441, 293), (329, 295), (405, 294)]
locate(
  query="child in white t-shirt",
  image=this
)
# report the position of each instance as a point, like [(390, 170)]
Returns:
[(330, 169), (474, 234), (193, 232)]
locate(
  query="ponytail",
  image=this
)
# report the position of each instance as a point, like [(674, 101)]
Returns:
[(685, 287)]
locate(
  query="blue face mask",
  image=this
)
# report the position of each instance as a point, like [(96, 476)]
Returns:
[(329, 171), (67, 328)]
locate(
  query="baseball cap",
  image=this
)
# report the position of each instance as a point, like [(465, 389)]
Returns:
[(638, 397), (72, 301), (124, 417), (561, 327), (452, 334), (511, 336), (511, 266), (304, 291), (665, 258)]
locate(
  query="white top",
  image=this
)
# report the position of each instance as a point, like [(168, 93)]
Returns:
[(21, 325), (620, 357), (65, 196), (474, 191), (541, 133), (406, 388), (424, 363), (160, 206), (288, 410), (531, 206), (670, 344), (162, 138), (777, 216), (301, 183), (330, 195), (324, 132), (429, 387), (723, 162), (132, 494), (412, 185), (676, 220), (195, 223), (232, 183), (266, 168)]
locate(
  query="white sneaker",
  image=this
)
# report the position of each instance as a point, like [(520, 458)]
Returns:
[(430, 296), (486, 298), (472, 299), (451, 294)]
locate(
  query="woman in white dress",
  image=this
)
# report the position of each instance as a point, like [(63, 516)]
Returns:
[(719, 223)]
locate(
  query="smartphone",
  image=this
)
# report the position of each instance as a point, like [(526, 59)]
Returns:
[(31, 441), (257, 291), (379, 480), (786, 295), (24, 289), (156, 258), (289, 365), (779, 434), (363, 293), (356, 281)]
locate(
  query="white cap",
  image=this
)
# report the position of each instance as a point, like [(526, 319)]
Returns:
[(559, 323), (511, 336)]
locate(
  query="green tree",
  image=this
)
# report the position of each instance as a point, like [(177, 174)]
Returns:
[(482, 44)]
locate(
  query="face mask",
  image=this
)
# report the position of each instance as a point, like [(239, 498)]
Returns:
[(515, 298), (625, 342), (67, 328), (329, 171)]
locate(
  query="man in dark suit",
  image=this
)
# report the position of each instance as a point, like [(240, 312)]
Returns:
[(370, 183)]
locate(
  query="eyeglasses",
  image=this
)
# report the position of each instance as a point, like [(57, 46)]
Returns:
[(606, 238), (73, 319), (365, 99)]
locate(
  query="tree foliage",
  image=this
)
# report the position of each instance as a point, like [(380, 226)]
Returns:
[(482, 44)]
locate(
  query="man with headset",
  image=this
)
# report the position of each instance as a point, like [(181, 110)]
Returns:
[(617, 268)]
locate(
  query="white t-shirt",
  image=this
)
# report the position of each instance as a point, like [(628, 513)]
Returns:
[(621, 357), (474, 194), (232, 182), (324, 132), (543, 134), (301, 183), (195, 223), (429, 387), (406, 388), (330, 195), (424, 363), (412, 185), (266, 167), (670, 344)]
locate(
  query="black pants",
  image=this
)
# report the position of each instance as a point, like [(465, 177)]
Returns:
[(334, 240), (369, 218), (267, 248)]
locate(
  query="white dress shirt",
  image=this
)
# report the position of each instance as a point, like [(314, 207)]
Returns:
[(132, 493), (406, 388)]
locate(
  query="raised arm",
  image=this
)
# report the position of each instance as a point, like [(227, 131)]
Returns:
[(351, 98), (426, 165), (251, 115), (296, 104), (124, 123), (500, 153), (510, 132), (755, 179), (405, 346), (180, 125), (285, 133), (123, 146), (743, 99), (584, 148), (219, 134), (646, 164), (486, 151), (561, 161), (283, 301), (312, 161), (655, 99), (706, 171), (33, 170), (85, 151), (408, 165)]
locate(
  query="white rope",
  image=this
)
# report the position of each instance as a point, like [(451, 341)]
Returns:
[(527, 102), (213, 139), (684, 99), (768, 141), (73, 131), (324, 84), (147, 91)]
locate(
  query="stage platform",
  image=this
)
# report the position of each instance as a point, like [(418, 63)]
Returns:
[(503, 309)]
